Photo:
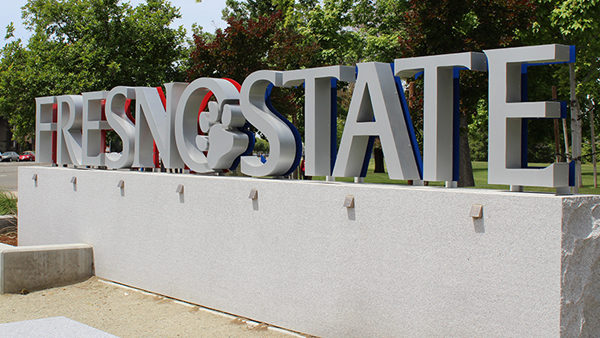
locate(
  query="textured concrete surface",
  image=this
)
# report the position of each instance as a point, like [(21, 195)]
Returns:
[(580, 315), (55, 327), (404, 262), (38, 267)]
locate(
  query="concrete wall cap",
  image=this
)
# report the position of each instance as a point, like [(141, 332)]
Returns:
[(53, 247)]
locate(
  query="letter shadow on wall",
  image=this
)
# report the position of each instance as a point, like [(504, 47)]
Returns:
[(478, 224), (351, 214)]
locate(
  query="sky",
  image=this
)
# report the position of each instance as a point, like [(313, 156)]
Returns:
[(206, 13)]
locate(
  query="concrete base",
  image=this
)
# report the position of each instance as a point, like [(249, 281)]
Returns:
[(398, 261), (39, 267), (55, 327)]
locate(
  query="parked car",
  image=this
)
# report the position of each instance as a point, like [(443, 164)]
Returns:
[(10, 156), (27, 156)]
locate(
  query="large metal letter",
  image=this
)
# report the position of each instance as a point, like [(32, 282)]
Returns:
[(155, 123), (318, 124), (68, 147), (375, 109), (189, 143), (506, 112), (118, 120), (438, 107), (44, 126), (282, 151), (92, 125)]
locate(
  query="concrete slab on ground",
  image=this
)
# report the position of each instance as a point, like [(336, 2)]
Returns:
[(55, 327), (43, 266)]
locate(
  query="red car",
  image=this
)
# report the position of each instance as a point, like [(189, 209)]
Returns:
[(27, 156)]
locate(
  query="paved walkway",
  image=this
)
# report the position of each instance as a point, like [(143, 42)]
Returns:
[(127, 312)]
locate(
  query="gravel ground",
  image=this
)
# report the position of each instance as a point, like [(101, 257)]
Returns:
[(127, 312)]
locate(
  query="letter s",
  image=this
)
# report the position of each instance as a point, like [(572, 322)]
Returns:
[(282, 142)]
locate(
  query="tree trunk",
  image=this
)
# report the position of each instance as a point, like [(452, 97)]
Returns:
[(465, 166), (566, 137), (556, 130), (575, 130), (593, 141), (378, 155)]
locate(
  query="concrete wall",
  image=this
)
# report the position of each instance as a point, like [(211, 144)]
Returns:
[(405, 262)]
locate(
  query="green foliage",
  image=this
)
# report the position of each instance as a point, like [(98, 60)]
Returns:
[(252, 9), (248, 45), (433, 27), (261, 146), (380, 24), (438, 27), (441, 27), (330, 25), (478, 133), (8, 203), (18, 89), (569, 22), (86, 45)]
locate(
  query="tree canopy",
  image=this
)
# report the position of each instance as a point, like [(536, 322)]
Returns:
[(86, 45)]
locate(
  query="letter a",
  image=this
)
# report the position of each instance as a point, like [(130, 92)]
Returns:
[(375, 110)]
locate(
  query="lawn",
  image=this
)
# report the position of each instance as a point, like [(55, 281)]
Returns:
[(480, 173)]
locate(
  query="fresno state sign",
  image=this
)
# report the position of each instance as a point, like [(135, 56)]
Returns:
[(377, 108)]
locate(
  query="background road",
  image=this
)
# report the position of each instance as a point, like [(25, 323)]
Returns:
[(8, 173)]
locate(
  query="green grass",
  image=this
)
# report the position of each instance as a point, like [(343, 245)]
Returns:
[(480, 173), (8, 203)]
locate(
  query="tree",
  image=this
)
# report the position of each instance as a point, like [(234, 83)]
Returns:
[(328, 24), (441, 26), (87, 45), (572, 22), (248, 45), (380, 25), (16, 96), (251, 44)]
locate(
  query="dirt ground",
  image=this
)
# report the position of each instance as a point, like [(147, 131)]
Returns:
[(9, 238), (127, 312)]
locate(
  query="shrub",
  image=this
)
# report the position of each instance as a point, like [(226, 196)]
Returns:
[(8, 203)]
